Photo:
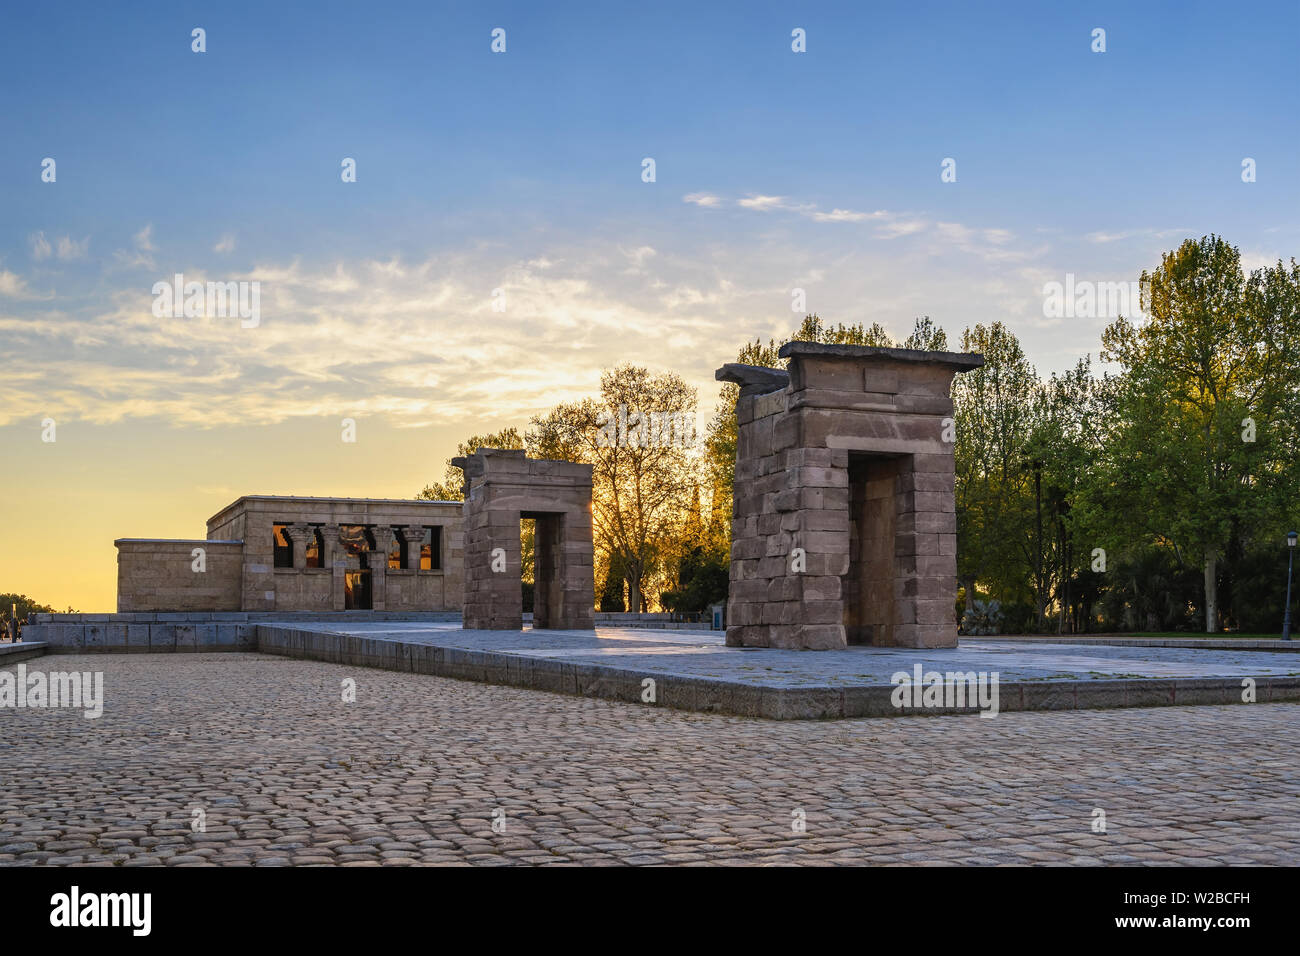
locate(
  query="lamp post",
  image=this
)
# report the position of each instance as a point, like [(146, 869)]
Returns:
[(1290, 562)]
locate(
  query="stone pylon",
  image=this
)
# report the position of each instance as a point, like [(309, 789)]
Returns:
[(844, 524), (501, 488)]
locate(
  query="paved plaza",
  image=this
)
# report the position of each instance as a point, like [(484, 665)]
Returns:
[(280, 770), (703, 654), (695, 670)]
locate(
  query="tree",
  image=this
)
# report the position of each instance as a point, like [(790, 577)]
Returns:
[(926, 336), (1060, 450), (19, 607), (994, 412), (644, 465), (450, 488), (1207, 411)]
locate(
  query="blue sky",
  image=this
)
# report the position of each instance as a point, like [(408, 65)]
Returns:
[(522, 171), (456, 145)]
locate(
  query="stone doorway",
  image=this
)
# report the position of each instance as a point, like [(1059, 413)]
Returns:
[(357, 592), (844, 525), (503, 488), (869, 585), (548, 587)]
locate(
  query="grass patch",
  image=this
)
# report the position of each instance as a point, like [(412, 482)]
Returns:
[(1169, 635)]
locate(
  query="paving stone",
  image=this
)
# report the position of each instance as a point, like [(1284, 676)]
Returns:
[(264, 746)]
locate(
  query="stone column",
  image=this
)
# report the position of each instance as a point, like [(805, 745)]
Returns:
[(926, 552), (334, 559), (413, 535), (301, 534), (378, 565)]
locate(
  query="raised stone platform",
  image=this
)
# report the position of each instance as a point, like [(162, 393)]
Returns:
[(155, 632), (695, 670), (1201, 643), (21, 651)]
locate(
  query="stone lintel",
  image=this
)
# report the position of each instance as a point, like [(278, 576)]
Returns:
[(960, 361), (753, 379)]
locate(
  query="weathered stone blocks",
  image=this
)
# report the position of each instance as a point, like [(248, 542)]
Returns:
[(844, 525), (502, 487)]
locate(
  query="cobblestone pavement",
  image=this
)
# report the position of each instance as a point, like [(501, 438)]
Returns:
[(284, 772)]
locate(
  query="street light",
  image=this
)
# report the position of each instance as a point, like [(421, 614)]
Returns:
[(1291, 537)]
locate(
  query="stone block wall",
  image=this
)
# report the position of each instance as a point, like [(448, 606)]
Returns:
[(502, 487), (265, 587), (196, 631), (161, 575), (844, 524)]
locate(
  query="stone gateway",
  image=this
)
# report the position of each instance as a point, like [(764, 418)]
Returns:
[(501, 488), (844, 524)]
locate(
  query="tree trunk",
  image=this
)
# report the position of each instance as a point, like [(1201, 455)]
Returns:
[(1040, 586), (1211, 591), (634, 590)]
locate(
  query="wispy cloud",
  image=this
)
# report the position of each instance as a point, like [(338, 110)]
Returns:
[(848, 215), (901, 227), (762, 202), (141, 255), (40, 246), (69, 248), (64, 247), (14, 286), (1107, 237)]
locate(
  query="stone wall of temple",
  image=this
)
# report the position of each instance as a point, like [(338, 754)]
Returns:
[(168, 575), (333, 584), (335, 554)]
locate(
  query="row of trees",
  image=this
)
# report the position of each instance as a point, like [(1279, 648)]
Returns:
[(18, 608), (1152, 496)]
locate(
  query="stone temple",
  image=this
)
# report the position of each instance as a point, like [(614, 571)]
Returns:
[(268, 553), (844, 527)]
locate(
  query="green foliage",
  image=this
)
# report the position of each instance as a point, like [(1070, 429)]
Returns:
[(1203, 433), (1137, 499), (982, 617), (19, 607), (926, 336), (994, 415), (702, 580)]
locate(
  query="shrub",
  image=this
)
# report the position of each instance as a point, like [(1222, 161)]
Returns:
[(983, 618)]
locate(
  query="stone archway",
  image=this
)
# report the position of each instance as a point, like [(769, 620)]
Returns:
[(501, 488)]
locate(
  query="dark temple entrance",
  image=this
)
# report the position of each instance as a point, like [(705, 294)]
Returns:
[(868, 587), (548, 589), (356, 591)]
